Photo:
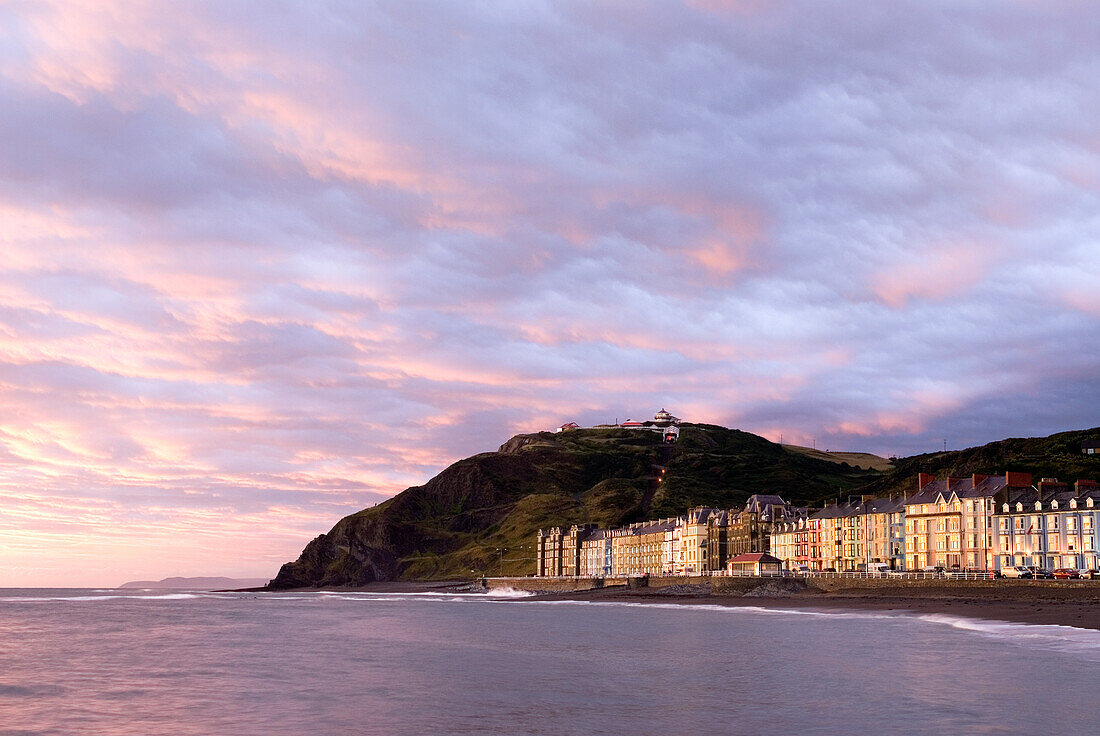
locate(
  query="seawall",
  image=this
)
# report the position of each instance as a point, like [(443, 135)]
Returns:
[(721, 585)]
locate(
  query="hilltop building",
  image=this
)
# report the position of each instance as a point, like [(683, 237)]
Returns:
[(663, 421)]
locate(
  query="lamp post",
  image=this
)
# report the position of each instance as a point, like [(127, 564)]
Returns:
[(502, 550)]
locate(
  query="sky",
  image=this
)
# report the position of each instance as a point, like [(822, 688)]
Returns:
[(266, 264)]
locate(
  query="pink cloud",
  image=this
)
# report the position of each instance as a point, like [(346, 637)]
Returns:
[(262, 269), (938, 273)]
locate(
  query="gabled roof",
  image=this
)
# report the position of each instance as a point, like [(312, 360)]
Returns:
[(759, 501), (962, 488), (884, 505), (755, 557)]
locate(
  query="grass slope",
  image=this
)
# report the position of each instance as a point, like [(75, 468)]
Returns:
[(1057, 456), (458, 522)]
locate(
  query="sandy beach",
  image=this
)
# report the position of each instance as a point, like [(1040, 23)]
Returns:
[(1048, 603), (1053, 604)]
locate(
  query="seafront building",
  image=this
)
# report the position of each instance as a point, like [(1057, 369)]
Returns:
[(979, 524), (1049, 525), (750, 529), (949, 523), (694, 544)]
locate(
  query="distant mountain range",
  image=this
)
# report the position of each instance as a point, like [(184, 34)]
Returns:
[(480, 515), (214, 583)]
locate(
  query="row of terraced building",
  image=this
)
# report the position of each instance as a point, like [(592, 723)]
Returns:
[(980, 523)]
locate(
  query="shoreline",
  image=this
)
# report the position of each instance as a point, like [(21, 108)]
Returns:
[(1048, 606), (1047, 610)]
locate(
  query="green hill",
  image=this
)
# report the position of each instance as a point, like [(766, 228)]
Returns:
[(456, 523), (1057, 456)]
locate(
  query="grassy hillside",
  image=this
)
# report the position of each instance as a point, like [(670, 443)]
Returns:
[(480, 515), (856, 459), (457, 523), (1057, 456)]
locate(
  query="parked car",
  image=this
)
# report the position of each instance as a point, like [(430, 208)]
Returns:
[(1091, 574), (801, 569), (1040, 573), (1066, 573), (1019, 571)]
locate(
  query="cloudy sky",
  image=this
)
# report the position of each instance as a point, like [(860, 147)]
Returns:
[(265, 264)]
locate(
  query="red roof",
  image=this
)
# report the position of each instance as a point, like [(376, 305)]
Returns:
[(756, 557)]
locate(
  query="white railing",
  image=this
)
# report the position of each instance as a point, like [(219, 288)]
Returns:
[(892, 574), (901, 574)]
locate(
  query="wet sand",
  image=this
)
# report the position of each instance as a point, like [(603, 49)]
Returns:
[(1060, 606), (1049, 603)]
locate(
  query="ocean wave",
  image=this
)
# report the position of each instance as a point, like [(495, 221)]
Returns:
[(1049, 636), (161, 597), (61, 598), (714, 607), (1069, 639), (404, 597), (505, 593)]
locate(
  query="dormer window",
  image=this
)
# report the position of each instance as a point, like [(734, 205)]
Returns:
[(1088, 502), (1038, 505), (1073, 503), (1005, 508), (1054, 505), (1019, 507)]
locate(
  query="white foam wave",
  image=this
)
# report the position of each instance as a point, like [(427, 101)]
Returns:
[(712, 607), (162, 597), (1069, 639), (1061, 638), (506, 592), (369, 593), (61, 598), (398, 597)]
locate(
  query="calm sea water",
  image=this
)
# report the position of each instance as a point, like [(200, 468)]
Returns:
[(132, 662)]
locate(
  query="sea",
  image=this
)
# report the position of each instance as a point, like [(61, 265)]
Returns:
[(119, 662)]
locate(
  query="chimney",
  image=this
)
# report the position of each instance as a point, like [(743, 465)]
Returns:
[(1083, 486), (1048, 485), (924, 479), (1017, 479), (978, 479)]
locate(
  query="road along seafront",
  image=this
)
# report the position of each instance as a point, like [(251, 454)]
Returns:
[(1048, 602)]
